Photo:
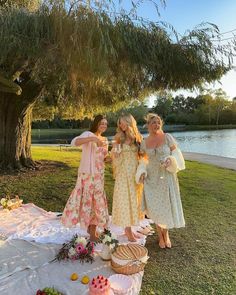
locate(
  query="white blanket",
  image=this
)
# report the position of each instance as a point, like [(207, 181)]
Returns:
[(18, 255), (32, 223), (58, 275), (25, 266)]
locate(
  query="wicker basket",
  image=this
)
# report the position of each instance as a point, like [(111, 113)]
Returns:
[(129, 259), (16, 203)]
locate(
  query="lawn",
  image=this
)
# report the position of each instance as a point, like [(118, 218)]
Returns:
[(202, 260)]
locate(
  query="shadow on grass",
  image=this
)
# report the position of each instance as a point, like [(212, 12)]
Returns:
[(41, 166)]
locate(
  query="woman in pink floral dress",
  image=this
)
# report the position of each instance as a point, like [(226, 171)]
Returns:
[(87, 203)]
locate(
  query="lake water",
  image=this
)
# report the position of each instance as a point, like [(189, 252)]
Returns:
[(213, 142)]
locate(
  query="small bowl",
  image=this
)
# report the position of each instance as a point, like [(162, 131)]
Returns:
[(120, 284)]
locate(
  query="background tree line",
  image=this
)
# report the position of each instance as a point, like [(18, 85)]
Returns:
[(210, 108)]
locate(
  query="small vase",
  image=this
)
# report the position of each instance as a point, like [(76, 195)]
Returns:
[(106, 252)]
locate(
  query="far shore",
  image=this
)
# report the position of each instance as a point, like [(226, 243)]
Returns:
[(112, 129)]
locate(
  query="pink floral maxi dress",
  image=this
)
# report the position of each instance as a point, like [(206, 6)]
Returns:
[(87, 203)]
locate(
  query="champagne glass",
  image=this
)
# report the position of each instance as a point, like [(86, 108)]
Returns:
[(162, 167), (105, 142), (116, 147)]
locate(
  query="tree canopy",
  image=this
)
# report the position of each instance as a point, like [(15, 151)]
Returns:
[(79, 59), (86, 61)]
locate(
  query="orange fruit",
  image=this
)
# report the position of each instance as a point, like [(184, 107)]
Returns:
[(74, 276), (85, 280)]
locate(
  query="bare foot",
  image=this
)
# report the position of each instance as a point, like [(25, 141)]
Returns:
[(130, 235), (167, 239), (161, 240), (138, 235), (144, 231), (93, 234), (162, 244)]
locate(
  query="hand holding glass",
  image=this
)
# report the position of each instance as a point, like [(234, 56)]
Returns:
[(116, 148)]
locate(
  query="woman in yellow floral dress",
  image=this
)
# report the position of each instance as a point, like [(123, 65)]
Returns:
[(126, 208)]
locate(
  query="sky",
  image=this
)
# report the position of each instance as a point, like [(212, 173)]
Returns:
[(186, 14)]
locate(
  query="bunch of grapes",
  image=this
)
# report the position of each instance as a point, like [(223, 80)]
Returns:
[(48, 291)]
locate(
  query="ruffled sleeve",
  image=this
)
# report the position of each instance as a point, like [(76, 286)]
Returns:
[(176, 158), (87, 162), (170, 140), (82, 135), (142, 164)]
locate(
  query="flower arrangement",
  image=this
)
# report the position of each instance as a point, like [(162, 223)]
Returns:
[(48, 291), (10, 203), (78, 248), (109, 239)]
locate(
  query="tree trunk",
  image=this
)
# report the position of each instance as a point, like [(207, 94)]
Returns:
[(15, 134), (15, 127)]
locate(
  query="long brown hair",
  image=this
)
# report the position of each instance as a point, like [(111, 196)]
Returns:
[(95, 124)]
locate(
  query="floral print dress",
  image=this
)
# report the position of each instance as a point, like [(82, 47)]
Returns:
[(126, 207), (162, 201), (87, 203)]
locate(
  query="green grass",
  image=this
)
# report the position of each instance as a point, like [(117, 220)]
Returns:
[(202, 260)]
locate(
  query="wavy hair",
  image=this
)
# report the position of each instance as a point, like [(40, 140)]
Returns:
[(151, 116), (132, 130)]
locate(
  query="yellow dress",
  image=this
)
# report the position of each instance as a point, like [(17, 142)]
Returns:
[(126, 207)]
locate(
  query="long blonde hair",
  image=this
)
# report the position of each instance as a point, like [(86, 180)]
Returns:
[(132, 129)]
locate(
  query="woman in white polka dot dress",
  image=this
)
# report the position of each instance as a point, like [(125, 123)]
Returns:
[(127, 195)]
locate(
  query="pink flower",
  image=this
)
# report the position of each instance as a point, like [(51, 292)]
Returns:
[(91, 187), (73, 258), (85, 251), (74, 220), (97, 177), (88, 203), (79, 248)]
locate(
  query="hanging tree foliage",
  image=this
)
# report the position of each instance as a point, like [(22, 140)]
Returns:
[(81, 60)]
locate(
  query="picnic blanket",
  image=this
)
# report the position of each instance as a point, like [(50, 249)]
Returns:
[(32, 237), (32, 223), (57, 274), (18, 255)]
